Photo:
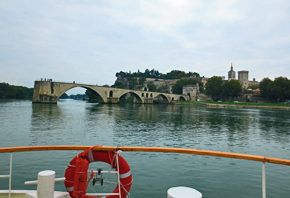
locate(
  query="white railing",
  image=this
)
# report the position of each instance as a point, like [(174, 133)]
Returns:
[(63, 178), (9, 176), (147, 149)]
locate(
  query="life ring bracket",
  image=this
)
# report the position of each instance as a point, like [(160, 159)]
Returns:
[(76, 173)]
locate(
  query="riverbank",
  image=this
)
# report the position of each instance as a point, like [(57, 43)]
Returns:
[(241, 105)]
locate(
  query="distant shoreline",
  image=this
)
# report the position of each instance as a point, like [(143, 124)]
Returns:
[(251, 106), (236, 105)]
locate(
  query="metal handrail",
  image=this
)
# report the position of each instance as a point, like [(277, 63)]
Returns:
[(153, 149)]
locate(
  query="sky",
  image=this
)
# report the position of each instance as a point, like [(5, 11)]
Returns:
[(90, 41)]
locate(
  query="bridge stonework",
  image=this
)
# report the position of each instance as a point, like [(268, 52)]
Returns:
[(49, 92)]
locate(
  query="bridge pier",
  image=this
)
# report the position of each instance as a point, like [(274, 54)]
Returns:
[(148, 100), (43, 92), (113, 100)]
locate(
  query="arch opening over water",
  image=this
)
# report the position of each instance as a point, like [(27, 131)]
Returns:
[(161, 98), (131, 95)]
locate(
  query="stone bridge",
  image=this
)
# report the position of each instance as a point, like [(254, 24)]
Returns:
[(49, 92)]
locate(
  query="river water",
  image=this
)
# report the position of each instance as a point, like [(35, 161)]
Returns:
[(254, 131)]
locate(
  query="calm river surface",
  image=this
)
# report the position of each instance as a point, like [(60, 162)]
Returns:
[(263, 132)]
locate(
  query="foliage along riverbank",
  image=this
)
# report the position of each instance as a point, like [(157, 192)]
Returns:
[(239, 104), (15, 92)]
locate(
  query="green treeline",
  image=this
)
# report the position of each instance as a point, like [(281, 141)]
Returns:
[(277, 90), (138, 79), (216, 89), (174, 74), (15, 92)]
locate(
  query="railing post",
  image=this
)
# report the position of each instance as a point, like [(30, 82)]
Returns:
[(264, 179), (10, 175), (118, 175)]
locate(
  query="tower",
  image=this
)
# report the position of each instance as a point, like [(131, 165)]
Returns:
[(231, 73), (244, 78)]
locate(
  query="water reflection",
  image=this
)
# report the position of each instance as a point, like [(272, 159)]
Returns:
[(275, 125), (46, 120), (44, 116), (225, 129), (253, 131)]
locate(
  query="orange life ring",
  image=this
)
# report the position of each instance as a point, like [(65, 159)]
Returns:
[(76, 172)]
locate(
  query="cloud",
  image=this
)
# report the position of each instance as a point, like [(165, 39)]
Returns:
[(89, 41)]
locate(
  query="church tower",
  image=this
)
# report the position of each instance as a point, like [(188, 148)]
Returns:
[(231, 73)]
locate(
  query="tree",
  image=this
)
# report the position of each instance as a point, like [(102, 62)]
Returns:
[(147, 73), (15, 92), (264, 87), (177, 87), (279, 89), (151, 87), (193, 74), (20, 94), (11, 92), (232, 88), (159, 89), (173, 74), (63, 96), (142, 80), (91, 94), (213, 87), (132, 83), (181, 75), (253, 87), (120, 74), (118, 84)]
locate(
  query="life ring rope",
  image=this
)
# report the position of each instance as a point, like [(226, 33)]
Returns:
[(122, 185)]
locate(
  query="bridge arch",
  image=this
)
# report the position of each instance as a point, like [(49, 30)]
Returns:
[(136, 96), (163, 97), (99, 95), (181, 98)]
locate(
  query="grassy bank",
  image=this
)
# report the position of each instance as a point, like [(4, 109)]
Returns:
[(236, 104)]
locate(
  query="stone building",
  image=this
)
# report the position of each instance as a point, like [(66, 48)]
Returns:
[(191, 91), (243, 78), (254, 82)]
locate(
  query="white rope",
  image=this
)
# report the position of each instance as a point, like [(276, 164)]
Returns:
[(108, 186), (69, 181), (92, 189), (128, 194), (114, 161), (69, 165)]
